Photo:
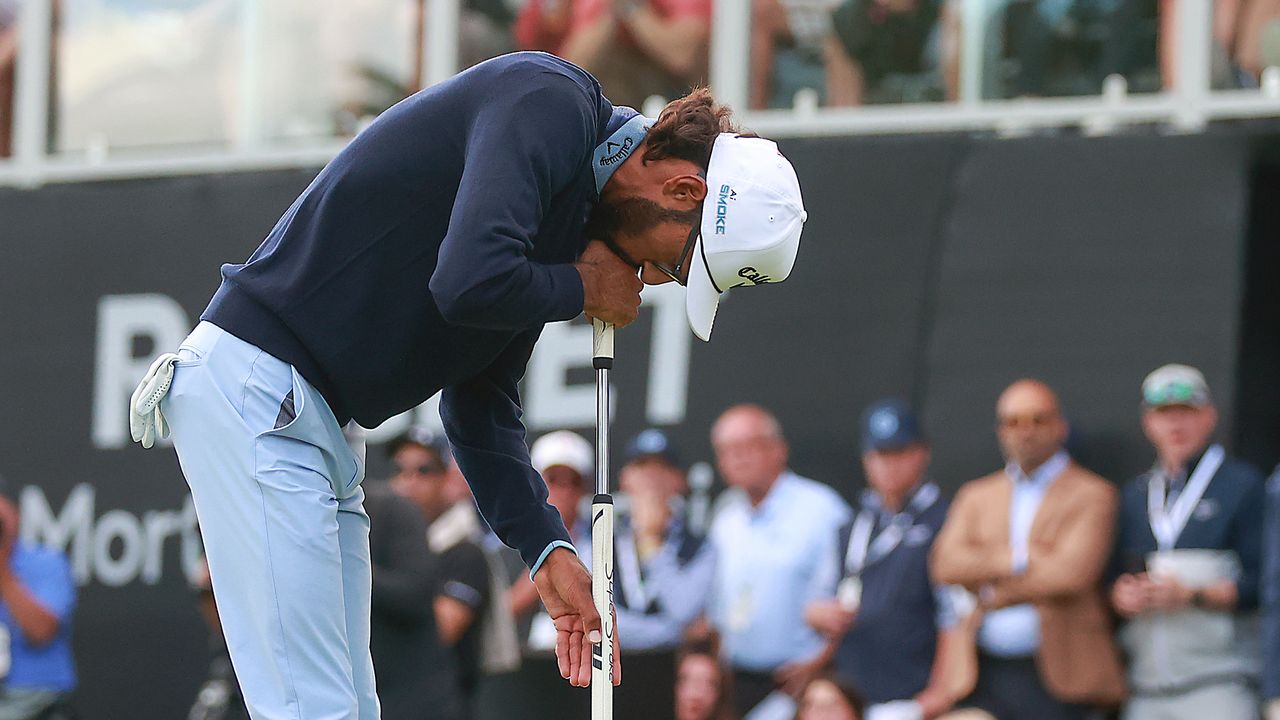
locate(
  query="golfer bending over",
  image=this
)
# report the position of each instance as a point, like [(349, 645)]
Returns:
[(426, 256)]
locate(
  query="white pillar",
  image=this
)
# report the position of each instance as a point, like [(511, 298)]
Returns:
[(31, 94), (731, 52), (973, 46), (441, 57), (249, 129), (1193, 58)]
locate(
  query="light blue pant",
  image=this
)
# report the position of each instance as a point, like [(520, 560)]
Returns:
[(280, 509)]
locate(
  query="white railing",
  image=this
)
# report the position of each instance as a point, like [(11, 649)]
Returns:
[(1187, 107)]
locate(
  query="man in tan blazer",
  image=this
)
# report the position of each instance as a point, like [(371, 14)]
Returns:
[(1031, 542)]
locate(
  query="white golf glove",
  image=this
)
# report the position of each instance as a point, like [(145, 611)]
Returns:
[(146, 422)]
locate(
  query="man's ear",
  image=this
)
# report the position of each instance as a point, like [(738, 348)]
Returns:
[(687, 190)]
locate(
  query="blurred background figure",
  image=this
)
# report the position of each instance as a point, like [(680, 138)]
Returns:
[(1245, 40), (771, 534), (1032, 542), (886, 51), (826, 698), (1189, 545), (885, 618), (416, 674), (485, 30), (703, 685), (789, 51), (469, 613), (1271, 601), (37, 600), (664, 570), (543, 24), (219, 696), (635, 48), (8, 64), (652, 463), (566, 462), (663, 573), (1060, 47)]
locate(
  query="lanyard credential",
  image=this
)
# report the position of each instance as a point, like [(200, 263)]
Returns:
[(638, 594), (864, 551), (1167, 523)]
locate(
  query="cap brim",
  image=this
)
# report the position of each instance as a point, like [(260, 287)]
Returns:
[(701, 295)]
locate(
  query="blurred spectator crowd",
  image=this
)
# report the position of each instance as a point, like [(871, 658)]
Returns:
[(838, 52), (853, 52), (1039, 591)]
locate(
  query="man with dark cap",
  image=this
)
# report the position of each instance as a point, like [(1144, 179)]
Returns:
[(664, 571), (417, 675), (885, 619), (422, 475)]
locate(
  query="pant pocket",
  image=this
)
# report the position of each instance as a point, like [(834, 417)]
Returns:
[(302, 417)]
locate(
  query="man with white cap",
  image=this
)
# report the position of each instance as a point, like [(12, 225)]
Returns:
[(426, 257), (1189, 547), (566, 462)]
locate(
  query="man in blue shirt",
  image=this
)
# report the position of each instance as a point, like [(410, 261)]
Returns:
[(772, 532), (663, 569), (425, 258), (37, 598)]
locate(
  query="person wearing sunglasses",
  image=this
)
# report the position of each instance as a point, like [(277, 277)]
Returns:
[(462, 606), (1189, 554), (1031, 541)]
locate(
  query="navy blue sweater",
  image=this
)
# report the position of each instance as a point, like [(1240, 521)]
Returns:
[(1228, 517), (428, 255)]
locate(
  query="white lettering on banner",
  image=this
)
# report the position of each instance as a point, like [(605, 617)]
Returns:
[(121, 318), (116, 549), (668, 383), (551, 402)]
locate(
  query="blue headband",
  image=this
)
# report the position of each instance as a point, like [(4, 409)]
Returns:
[(611, 153)]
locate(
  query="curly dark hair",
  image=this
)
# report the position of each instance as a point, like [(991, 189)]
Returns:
[(687, 128)]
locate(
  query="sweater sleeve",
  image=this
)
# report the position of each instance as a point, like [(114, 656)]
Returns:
[(521, 150), (482, 420), (1247, 535)]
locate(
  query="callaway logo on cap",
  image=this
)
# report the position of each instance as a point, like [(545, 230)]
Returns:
[(751, 224)]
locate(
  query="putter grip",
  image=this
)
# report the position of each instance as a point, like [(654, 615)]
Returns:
[(602, 593), (602, 347)]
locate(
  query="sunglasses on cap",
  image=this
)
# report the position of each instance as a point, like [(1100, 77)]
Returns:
[(1174, 393)]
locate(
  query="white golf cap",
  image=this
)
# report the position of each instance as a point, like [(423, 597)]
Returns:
[(1175, 385), (751, 222), (563, 447)]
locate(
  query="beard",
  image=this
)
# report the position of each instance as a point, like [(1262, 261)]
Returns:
[(631, 216)]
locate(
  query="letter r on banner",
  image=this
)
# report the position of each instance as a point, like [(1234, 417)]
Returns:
[(116, 371)]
